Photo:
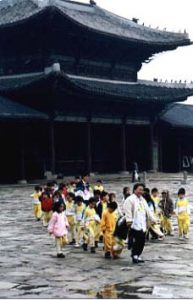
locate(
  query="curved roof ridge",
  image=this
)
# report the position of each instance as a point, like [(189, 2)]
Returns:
[(13, 109), (137, 25), (93, 87), (93, 18), (140, 81)]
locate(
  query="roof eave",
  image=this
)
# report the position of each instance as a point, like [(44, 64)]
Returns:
[(166, 45)]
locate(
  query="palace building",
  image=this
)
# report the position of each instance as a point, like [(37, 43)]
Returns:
[(70, 98)]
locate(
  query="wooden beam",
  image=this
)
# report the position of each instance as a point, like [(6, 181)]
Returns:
[(123, 147)]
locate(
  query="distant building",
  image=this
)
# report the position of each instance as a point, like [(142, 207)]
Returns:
[(70, 95)]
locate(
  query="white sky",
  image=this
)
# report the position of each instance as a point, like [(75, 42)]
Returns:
[(174, 15)]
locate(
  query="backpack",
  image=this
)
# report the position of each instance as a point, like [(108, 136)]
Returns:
[(121, 229), (47, 204)]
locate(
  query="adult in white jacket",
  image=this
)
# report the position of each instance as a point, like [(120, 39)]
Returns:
[(137, 215)]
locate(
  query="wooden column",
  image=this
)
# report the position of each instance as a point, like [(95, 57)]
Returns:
[(52, 146), (154, 150), (160, 153), (179, 154), (88, 146), (22, 156), (22, 178), (123, 148)]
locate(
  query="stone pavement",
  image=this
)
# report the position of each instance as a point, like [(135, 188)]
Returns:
[(30, 269)]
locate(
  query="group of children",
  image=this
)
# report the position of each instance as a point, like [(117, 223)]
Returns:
[(82, 216), (164, 209)]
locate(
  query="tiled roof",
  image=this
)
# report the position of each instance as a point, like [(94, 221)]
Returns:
[(93, 18), (119, 90), (178, 115), (141, 90), (13, 110), (16, 81)]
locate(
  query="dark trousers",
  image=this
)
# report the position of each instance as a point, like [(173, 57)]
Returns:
[(138, 242)]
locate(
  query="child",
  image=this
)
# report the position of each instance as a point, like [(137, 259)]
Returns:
[(70, 213), (126, 193), (99, 186), (83, 188), (58, 226), (118, 212), (112, 197), (36, 202), (155, 197), (77, 179), (72, 187), (154, 229), (98, 236), (108, 223), (167, 210), (47, 203), (183, 214), (58, 196), (79, 211), (101, 206), (63, 190), (90, 220)]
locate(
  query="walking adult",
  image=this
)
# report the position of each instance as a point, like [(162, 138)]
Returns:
[(135, 172), (137, 215)]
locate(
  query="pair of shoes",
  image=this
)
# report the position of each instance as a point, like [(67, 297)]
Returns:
[(73, 242), (135, 260), (115, 257), (108, 255), (101, 239), (186, 237), (181, 238), (161, 238), (60, 255), (170, 234), (92, 250), (85, 247), (38, 219), (77, 245), (140, 260), (96, 244)]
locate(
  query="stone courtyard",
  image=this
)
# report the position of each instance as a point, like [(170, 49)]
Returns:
[(30, 269)]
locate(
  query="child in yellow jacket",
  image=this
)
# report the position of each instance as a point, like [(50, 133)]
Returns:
[(79, 211), (155, 198), (183, 214), (90, 219), (70, 213), (36, 202), (108, 224)]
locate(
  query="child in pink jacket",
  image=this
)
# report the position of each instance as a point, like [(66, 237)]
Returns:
[(58, 226)]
